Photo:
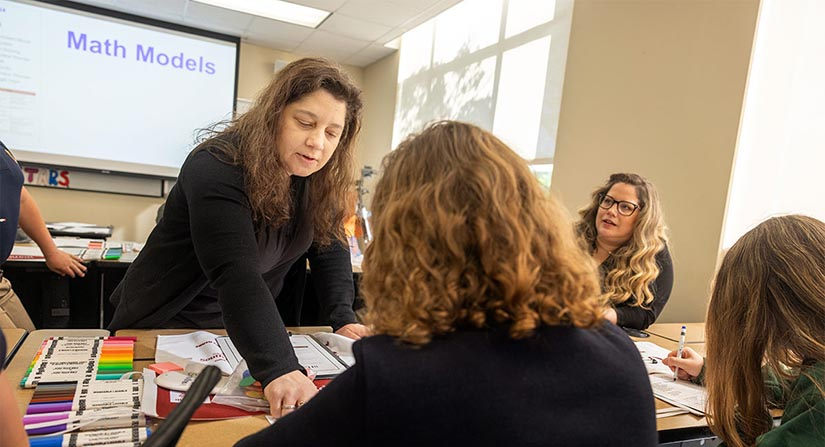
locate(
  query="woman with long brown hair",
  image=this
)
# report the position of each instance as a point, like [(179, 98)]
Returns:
[(489, 315), (623, 228), (766, 337), (250, 200)]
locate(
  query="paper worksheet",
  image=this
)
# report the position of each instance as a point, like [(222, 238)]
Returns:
[(210, 349), (652, 355), (680, 393)]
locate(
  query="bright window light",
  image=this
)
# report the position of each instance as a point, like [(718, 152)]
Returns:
[(274, 9), (521, 96), (543, 172), (525, 14)]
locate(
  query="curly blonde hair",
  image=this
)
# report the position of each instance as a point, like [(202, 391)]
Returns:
[(634, 267), (250, 140), (466, 237)]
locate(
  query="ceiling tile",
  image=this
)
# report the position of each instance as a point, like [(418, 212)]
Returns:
[(277, 44), (369, 55), (268, 29), (217, 19), (273, 34), (355, 28), (329, 45), (359, 61), (375, 51), (417, 5), (326, 5), (381, 12), (153, 8)]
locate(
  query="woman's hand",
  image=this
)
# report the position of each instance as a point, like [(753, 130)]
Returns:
[(354, 331), (288, 392), (64, 264), (690, 365)]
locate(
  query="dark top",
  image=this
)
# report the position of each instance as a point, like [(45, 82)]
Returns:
[(11, 183), (204, 265), (638, 317), (802, 402), (564, 386)]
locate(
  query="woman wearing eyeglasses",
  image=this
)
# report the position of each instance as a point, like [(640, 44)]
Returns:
[(624, 230)]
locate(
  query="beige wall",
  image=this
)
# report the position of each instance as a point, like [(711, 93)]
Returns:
[(652, 86), (380, 81), (134, 217), (257, 63), (656, 87)]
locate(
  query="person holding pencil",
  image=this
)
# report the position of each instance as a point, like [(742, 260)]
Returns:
[(765, 343)]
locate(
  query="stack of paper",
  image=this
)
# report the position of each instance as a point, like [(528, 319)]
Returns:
[(78, 229), (210, 349), (680, 393), (26, 253), (686, 396), (652, 355)]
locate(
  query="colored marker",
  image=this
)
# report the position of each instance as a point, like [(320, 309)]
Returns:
[(679, 353)]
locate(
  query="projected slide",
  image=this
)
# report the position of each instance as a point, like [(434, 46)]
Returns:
[(76, 85)]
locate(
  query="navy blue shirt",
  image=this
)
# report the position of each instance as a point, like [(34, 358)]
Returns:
[(563, 386), (11, 182)]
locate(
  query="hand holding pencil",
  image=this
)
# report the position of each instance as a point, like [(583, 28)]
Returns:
[(690, 365)]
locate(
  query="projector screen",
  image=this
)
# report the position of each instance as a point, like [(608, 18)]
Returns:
[(90, 90)]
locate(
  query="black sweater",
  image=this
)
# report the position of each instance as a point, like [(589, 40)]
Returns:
[(637, 317), (206, 248), (564, 386)]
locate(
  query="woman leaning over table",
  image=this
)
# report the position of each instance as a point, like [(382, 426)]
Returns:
[(489, 315), (249, 201), (766, 337), (624, 230)]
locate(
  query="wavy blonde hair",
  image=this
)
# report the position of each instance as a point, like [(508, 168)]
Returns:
[(250, 141), (767, 308), (635, 268), (465, 237)]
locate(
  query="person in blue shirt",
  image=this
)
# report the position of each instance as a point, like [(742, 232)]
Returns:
[(17, 206)]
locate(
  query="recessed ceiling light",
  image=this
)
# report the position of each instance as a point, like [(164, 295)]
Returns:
[(274, 9)]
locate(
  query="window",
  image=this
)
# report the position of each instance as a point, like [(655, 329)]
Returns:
[(779, 155), (503, 71)]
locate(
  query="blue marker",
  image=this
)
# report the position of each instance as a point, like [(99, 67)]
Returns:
[(679, 353), (57, 441)]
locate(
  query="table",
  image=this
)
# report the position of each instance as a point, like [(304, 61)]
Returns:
[(14, 337), (222, 433), (204, 433), (53, 301), (683, 425), (227, 432), (20, 363), (695, 332), (146, 338)]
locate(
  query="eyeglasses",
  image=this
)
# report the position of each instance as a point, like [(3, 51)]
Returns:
[(624, 207)]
